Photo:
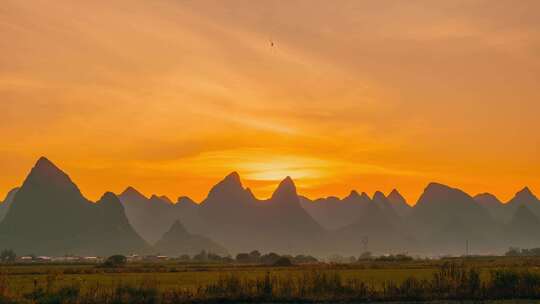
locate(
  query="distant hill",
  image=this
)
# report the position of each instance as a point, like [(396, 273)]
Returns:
[(187, 204), (231, 214), (357, 223), (525, 197), (113, 234), (399, 204), (187, 211), (235, 218), (288, 227), (49, 215), (178, 241), (445, 218), (378, 229), (334, 213), (523, 230), (150, 217), (382, 202), (493, 205), (4, 206), (228, 200)]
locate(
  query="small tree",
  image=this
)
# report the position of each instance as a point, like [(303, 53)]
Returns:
[(8, 256), (243, 258), (117, 260), (254, 256), (534, 252), (304, 259), (513, 251), (214, 257), (283, 262), (365, 256), (270, 258), (185, 257), (201, 256)]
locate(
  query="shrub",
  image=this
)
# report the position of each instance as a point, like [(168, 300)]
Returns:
[(146, 293), (283, 262), (304, 259), (201, 256), (115, 261), (270, 258), (8, 256), (243, 258)]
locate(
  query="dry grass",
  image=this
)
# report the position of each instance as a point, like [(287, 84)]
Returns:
[(497, 278)]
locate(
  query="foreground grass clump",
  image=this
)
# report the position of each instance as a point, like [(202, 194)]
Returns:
[(447, 281)]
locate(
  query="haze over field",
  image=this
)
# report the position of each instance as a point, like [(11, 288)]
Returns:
[(171, 95)]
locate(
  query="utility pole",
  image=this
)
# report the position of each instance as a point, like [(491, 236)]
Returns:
[(467, 248)]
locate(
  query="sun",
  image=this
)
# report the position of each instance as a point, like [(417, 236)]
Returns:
[(267, 166)]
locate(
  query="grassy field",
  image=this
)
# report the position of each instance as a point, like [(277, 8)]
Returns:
[(197, 281)]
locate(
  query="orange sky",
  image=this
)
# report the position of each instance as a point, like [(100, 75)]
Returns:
[(171, 95)]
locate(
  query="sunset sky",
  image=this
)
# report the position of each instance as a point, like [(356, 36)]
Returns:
[(169, 96)]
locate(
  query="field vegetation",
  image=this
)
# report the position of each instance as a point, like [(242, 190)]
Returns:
[(176, 281)]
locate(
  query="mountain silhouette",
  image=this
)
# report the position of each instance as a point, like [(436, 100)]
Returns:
[(334, 213), (235, 218), (493, 205), (357, 217), (323, 211), (382, 202), (444, 218), (114, 233), (380, 226), (285, 193), (165, 199), (289, 227), (525, 197), (150, 217), (187, 211), (4, 206), (230, 214), (399, 204), (438, 202), (523, 230), (178, 241), (228, 195), (186, 203), (49, 215), (488, 200)]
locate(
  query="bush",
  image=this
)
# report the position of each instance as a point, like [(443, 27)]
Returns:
[(201, 256), (451, 282), (115, 261), (8, 256), (365, 256), (394, 258), (283, 262), (270, 258), (304, 259), (243, 258), (146, 293), (185, 257)]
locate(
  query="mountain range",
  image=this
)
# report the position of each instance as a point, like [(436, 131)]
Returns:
[(233, 216), (178, 241), (49, 215)]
